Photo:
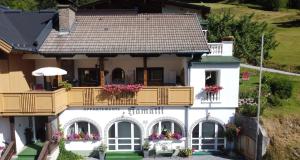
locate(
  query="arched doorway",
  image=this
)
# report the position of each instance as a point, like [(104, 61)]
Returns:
[(124, 136), (208, 136), (118, 76)]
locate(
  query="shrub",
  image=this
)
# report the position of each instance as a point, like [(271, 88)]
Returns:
[(281, 87), (274, 100), (250, 110), (274, 5), (185, 152), (65, 155)]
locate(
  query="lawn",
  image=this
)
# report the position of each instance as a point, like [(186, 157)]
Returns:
[(290, 106), (286, 22)]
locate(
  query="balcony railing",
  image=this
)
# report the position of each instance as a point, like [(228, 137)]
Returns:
[(215, 49), (54, 102), (148, 96), (33, 102), (211, 97)]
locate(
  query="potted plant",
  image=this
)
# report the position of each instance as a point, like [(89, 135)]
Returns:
[(231, 134), (102, 150), (185, 152), (146, 147)]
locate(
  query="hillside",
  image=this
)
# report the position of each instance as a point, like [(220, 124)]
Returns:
[(286, 22)]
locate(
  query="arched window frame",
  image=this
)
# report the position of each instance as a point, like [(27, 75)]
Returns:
[(215, 138), (113, 72), (172, 126), (76, 130)]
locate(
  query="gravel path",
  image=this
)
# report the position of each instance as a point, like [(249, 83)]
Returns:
[(270, 70)]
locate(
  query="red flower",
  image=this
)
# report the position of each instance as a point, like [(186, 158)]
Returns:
[(212, 89)]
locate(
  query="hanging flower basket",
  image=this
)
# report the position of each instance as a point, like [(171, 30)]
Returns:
[(121, 89), (212, 89), (166, 136)]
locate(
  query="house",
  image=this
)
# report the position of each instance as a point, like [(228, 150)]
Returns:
[(187, 92)]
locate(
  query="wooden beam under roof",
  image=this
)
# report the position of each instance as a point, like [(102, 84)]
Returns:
[(5, 47)]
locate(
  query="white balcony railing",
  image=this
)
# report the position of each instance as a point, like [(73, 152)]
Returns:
[(211, 97), (225, 48), (216, 49)]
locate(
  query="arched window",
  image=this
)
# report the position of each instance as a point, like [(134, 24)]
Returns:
[(118, 76), (164, 127), (82, 130), (125, 136), (208, 136)]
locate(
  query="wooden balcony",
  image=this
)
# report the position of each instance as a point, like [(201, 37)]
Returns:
[(54, 102), (148, 96), (33, 102)]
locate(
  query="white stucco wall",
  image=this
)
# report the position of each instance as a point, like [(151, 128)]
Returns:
[(4, 131), (229, 80), (21, 123), (104, 117)]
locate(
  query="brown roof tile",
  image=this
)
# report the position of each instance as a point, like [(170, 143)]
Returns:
[(130, 33)]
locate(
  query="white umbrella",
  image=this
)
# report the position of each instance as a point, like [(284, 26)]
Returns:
[(49, 71)]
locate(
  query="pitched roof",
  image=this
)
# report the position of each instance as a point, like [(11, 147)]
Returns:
[(129, 34), (24, 30)]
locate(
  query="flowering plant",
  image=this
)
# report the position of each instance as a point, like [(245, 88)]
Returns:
[(116, 89), (232, 131), (57, 135), (212, 89), (1, 148), (166, 136), (83, 137)]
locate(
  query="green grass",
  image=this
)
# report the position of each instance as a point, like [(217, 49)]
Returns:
[(286, 22), (123, 155), (31, 151), (289, 107)]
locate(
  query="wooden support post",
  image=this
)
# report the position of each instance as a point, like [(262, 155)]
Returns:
[(12, 131), (145, 71), (48, 128), (101, 75), (58, 65)]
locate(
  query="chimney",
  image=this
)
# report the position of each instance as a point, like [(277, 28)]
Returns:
[(66, 14)]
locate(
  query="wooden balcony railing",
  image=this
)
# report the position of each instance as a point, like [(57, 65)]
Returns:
[(33, 102), (148, 96), (9, 151)]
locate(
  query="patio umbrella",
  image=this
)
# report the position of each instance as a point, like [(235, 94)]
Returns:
[(49, 71)]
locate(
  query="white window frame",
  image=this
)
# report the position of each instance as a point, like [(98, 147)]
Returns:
[(76, 127), (172, 127), (200, 138), (116, 139)]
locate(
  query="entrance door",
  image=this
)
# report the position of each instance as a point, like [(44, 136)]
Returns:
[(208, 136), (124, 136), (88, 77), (40, 128)]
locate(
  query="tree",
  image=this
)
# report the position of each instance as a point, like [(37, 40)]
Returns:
[(247, 34)]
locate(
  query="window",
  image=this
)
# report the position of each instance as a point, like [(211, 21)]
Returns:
[(124, 136), (82, 130), (211, 78), (163, 127), (155, 76), (88, 76), (118, 76), (208, 136)]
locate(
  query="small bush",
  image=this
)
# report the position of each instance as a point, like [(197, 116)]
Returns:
[(66, 155), (185, 152), (250, 110), (281, 87), (274, 100)]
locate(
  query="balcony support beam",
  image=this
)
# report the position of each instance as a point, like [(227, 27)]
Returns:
[(145, 71), (58, 65), (12, 130), (101, 74)]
